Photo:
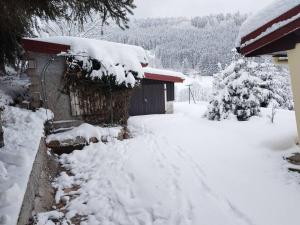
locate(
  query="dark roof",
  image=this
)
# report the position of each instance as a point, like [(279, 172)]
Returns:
[(276, 42)]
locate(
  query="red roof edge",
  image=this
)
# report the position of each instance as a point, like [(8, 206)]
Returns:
[(289, 14), (152, 76), (270, 38), (43, 47), (32, 45)]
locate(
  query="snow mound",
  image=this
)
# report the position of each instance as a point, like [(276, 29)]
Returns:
[(17, 157), (5, 99), (118, 59), (12, 87), (265, 15), (86, 131)]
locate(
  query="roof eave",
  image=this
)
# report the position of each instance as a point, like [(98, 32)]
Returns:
[(285, 16), (253, 48), (166, 78), (31, 45)]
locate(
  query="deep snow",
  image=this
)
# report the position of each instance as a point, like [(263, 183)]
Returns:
[(17, 157), (182, 169)]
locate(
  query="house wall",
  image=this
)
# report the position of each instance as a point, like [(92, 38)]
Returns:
[(90, 102), (169, 98), (294, 64), (169, 107), (57, 101)]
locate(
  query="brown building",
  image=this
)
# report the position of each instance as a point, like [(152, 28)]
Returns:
[(90, 102)]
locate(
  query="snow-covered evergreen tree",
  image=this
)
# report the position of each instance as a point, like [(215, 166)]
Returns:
[(245, 85)]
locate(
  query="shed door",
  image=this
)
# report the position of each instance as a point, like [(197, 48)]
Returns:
[(149, 99), (154, 99), (136, 102)]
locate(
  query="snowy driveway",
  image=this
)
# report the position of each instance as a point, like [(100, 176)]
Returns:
[(182, 169)]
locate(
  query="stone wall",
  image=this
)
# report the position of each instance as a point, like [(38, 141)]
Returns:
[(39, 195)]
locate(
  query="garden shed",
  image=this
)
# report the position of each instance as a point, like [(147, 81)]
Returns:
[(81, 79), (94, 81), (275, 31), (156, 93)]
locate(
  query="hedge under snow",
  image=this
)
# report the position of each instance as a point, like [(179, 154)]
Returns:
[(101, 58)]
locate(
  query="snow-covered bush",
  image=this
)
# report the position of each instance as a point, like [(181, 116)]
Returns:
[(245, 85), (85, 67), (113, 64)]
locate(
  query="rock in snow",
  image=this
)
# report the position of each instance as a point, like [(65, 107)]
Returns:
[(81, 136)]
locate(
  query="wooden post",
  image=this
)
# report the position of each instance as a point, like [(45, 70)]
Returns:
[(294, 65)]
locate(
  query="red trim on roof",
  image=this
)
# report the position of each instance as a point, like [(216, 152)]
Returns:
[(287, 15), (31, 45), (43, 47), (152, 76), (272, 37), (266, 41)]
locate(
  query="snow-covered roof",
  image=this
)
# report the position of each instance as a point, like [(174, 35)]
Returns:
[(163, 72), (119, 59), (265, 15), (272, 30), (99, 49), (163, 75)]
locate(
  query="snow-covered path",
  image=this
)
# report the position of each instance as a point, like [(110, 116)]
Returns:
[(182, 169)]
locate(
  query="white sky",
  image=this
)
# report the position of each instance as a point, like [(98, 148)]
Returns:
[(176, 8)]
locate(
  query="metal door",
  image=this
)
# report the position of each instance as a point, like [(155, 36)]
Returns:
[(148, 99)]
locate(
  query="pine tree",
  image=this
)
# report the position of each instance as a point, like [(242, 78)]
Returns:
[(245, 86), (18, 18)]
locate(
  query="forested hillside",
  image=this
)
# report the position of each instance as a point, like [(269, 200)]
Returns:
[(189, 45)]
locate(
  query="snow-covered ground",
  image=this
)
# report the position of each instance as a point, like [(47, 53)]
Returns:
[(23, 130), (183, 169)]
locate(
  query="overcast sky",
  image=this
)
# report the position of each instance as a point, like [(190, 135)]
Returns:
[(175, 8)]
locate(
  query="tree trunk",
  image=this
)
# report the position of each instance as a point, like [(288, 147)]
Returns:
[(1, 133), (2, 68)]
